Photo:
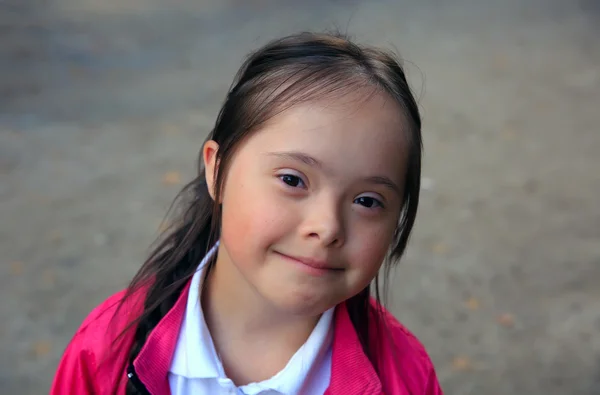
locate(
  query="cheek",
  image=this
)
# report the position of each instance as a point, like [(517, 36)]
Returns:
[(369, 251), (252, 218)]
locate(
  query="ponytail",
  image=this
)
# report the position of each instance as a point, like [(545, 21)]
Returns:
[(171, 264)]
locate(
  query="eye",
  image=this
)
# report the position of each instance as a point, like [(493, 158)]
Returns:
[(368, 202), (292, 180)]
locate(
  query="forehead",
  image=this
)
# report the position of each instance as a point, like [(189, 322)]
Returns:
[(358, 130)]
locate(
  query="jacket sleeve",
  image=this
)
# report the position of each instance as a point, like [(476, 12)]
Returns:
[(75, 373), (433, 385)]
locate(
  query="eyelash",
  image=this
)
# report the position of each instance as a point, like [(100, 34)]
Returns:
[(377, 202), (292, 177)]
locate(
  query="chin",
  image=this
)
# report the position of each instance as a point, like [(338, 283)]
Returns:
[(301, 305)]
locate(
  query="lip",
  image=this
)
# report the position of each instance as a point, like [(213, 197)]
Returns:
[(315, 266)]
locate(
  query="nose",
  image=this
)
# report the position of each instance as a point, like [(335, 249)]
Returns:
[(324, 223)]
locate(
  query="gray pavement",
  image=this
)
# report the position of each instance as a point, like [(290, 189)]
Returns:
[(104, 105)]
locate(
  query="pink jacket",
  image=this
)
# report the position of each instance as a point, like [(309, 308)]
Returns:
[(87, 366)]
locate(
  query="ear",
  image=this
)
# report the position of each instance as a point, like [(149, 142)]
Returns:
[(209, 156)]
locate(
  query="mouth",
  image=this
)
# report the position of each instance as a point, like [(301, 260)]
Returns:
[(314, 266)]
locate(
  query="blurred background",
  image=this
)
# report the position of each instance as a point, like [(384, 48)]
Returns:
[(104, 106)]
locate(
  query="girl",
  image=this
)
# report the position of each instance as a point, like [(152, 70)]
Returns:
[(308, 182)]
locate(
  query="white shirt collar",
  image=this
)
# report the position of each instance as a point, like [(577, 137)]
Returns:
[(195, 355)]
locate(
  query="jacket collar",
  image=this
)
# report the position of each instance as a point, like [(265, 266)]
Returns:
[(351, 371), (153, 362)]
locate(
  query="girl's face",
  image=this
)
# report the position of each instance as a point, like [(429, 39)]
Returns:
[(311, 201)]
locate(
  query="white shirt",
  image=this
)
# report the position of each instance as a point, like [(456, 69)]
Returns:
[(196, 368)]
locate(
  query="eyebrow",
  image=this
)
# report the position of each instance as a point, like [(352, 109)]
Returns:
[(298, 156), (386, 182)]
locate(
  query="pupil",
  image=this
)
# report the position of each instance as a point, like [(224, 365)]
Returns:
[(290, 180), (366, 201)]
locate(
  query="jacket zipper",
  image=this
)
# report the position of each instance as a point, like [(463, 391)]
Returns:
[(135, 380)]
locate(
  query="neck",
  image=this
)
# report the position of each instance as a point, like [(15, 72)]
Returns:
[(245, 327)]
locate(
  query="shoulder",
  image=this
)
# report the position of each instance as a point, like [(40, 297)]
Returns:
[(105, 322), (97, 352), (104, 312), (404, 342), (402, 356)]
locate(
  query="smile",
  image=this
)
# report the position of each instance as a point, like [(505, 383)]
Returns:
[(311, 266)]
